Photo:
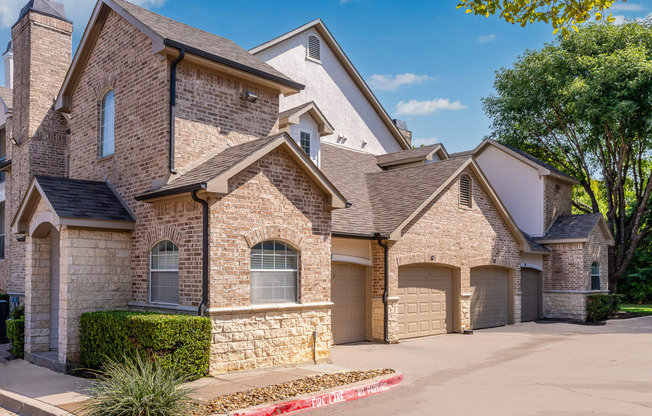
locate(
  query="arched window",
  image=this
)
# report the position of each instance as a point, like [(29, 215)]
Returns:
[(274, 273), (465, 191), (164, 273), (595, 276), (107, 124), (313, 48)]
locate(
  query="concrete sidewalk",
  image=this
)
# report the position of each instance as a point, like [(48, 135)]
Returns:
[(50, 390)]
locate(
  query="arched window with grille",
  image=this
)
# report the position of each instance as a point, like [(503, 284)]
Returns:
[(164, 273), (274, 273), (107, 124)]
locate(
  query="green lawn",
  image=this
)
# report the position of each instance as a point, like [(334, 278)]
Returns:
[(637, 308)]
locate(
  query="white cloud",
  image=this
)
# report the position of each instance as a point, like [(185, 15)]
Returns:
[(424, 141), (618, 19), (627, 7), (486, 38), (423, 108), (79, 11), (392, 82)]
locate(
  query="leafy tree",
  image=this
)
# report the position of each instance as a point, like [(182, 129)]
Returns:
[(584, 104), (561, 14)]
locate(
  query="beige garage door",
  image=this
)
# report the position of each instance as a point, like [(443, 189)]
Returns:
[(348, 297), (531, 295), (489, 297), (425, 305)]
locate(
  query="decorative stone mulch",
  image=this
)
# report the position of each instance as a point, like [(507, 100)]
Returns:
[(284, 391)]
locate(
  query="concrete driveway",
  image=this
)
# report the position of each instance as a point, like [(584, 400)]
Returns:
[(536, 368)]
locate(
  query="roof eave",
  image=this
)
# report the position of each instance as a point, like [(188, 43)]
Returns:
[(319, 25), (153, 195)]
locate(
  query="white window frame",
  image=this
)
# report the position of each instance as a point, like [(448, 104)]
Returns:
[(103, 139), (595, 275), (301, 133), (295, 271), (152, 270)]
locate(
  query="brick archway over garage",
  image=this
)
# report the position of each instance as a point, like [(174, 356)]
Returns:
[(424, 258)]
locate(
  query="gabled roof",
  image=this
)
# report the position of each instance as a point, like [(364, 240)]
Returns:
[(534, 246), (7, 97), (291, 116), (213, 174), (545, 169), (417, 154), (327, 36), (385, 201), (575, 228), (74, 202), (168, 37)]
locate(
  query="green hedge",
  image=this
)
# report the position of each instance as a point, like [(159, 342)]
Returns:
[(601, 307), (180, 341), (16, 335)]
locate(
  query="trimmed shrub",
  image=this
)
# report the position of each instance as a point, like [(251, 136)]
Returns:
[(600, 307), (16, 335), (175, 341), (138, 387)]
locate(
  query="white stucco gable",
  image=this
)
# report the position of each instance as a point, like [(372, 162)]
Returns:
[(333, 83)]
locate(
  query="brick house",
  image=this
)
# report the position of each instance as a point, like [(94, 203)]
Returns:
[(267, 189)]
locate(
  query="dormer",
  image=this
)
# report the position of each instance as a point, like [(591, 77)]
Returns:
[(306, 124), (413, 157)]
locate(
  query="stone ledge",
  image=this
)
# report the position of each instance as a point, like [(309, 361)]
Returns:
[(578, 292), (268, 308), (155, 307)]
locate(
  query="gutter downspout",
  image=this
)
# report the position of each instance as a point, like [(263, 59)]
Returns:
[(386, 292), (173, 104), (205, 253)]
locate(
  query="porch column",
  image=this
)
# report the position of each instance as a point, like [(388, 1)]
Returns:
[(37, 294)]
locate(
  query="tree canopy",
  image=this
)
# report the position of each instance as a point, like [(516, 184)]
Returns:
[(584, 104), (561, 14)]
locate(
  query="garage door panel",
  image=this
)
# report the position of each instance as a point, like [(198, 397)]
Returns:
[(489, 297), (424, 292), (348, 294)]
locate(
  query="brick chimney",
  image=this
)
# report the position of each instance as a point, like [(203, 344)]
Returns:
[(403, 129)]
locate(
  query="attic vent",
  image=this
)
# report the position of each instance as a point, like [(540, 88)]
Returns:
[(465, 191), (313, 47)]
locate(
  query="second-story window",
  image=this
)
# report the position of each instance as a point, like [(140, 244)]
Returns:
[(305, 142), (107, 124)]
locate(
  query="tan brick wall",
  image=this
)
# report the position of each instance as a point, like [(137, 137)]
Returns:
[(242, 341), (564, 268), (596, 249), (457, 237), (42, 53), (557, 197), (211, 113)]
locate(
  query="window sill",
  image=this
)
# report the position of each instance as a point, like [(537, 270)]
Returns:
[(107, 157), (276, 307), (156, 307), (317, 61)]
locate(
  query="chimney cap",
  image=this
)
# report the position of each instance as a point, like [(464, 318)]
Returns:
[(46, 7), (10, 47), (400, 124)]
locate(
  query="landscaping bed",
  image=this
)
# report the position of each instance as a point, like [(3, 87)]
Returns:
[(283, 391)]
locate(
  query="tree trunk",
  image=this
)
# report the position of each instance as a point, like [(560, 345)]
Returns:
[(613, 278)]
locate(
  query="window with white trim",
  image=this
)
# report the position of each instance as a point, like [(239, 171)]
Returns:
[(164, 273), (465, 191), (107, 124), (304, 141), (595, 276), (314, 48), (274, 273)]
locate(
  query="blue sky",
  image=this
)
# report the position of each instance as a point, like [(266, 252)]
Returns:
[(427, 62)]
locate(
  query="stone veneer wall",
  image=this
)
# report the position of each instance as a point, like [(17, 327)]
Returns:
[(449, 235), (264, 338), (565, 305), (597, 250), (557, 197)]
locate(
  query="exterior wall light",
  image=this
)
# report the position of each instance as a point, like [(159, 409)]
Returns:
[(16, 142), (250, 97)]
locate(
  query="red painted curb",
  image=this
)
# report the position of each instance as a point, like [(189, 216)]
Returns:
[(327, 399)]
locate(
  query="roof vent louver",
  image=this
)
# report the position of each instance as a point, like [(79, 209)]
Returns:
[(313, 48), (465, 191)]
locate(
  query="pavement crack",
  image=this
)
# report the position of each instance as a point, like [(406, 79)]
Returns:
[(572, 390)]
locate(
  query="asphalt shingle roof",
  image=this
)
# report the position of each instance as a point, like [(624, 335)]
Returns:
[(74, 198), (572, 227), (381, 200), (533, 244), (417, 152), (7, 95), (204, 41), (214, 166)]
